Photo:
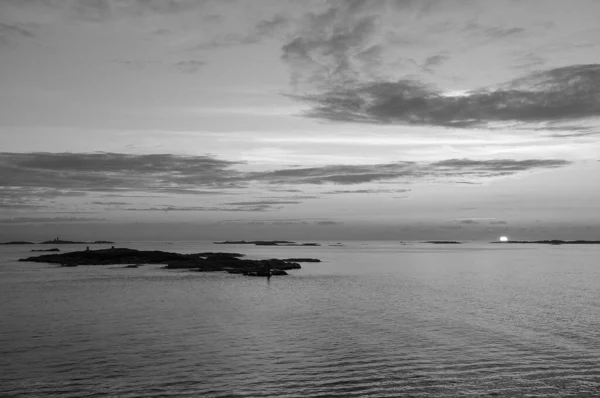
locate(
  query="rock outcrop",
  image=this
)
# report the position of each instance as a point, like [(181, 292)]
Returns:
[(202, 262), (265, 243)]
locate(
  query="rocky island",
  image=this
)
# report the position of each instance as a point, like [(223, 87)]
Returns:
[(17, 242), (444, 242), (58, 241), (265, 243), (201, 262)]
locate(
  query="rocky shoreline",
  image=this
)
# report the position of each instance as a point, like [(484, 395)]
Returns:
[(200, 262)]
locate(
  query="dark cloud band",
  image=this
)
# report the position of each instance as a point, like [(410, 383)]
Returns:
[(563, 94)]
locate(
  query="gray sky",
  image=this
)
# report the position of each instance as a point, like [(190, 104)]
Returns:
[(392, 119)]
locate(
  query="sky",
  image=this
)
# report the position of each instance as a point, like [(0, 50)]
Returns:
[(299, 119)]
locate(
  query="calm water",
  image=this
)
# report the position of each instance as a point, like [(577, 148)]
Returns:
[(375, 319)]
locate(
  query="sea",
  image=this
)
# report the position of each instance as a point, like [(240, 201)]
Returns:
[(373, 319)]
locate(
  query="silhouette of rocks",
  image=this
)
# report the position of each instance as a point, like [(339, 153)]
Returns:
[(58, 241), (444, 242), (303, 260), (204, 262), (265, 243), (46, 250), (18, 242), (278, 272)]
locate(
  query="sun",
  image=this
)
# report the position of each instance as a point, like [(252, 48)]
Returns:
[(504, 239)]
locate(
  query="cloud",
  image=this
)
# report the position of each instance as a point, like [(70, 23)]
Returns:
[(21, 220), (252, 208), (111, 203), (106, 172), (102, 10), (468, 221), (275, 26), (365, 191), (331, 47), (567, 93), (45, 175), (499, 165), (295, 197), (13, 31), (20, 206), (265, 202), (16, 197), (408, 171), (477, 220), (288, 223), (488, 32), (329, 223), (190, 66), (433, 62)]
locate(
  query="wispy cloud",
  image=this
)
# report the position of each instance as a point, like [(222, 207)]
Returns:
[(364, 191), (329, 223), (250, 208), (332, 47), (45, 175), (13, 31), (161, 173), (264, 202), (37, 220), (568, 93), (408, 171), (18, 197), (190, 66)]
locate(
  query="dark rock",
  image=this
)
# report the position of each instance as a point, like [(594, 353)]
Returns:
[(220, 255), (303, 260), (265, 243), (18, 242), (278, 272), (46, 250), (58, 241), (257, 273), (444, 242), (205, 262)]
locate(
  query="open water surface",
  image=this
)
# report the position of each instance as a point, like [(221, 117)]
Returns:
[(374, 319)]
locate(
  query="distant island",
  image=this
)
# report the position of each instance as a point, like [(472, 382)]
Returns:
[(57, 241), (554, 242), (265, 243), (443, 242), (46, 250), (200, 262)]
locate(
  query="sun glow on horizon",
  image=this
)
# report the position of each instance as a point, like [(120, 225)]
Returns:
[(504, 239)]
